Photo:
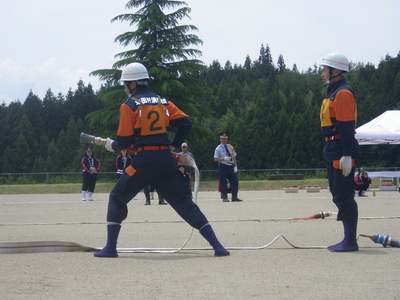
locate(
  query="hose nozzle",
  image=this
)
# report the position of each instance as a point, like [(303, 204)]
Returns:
[(91, 139)]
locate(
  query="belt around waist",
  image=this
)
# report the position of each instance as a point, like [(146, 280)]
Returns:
[(151, 148), (226, 164), (332, 138)]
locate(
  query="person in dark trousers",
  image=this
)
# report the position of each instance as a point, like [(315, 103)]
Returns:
[(185, 150), (362, 182), (122, 161), (186, 176), (225, 155), (228, 187), (90, 167), (338, 117), (144, 119), (149, 189)]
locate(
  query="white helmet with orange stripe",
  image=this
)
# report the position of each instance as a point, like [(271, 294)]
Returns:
[(337, 61), (135, 72)]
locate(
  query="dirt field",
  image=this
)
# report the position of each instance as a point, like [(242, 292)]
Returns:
[(252, 271)]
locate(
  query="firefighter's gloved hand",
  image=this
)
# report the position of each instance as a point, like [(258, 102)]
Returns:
[(235, 169), (345, 165), (108, 145), (227, 158)]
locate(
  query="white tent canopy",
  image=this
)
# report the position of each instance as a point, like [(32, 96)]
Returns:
[(384, 129)]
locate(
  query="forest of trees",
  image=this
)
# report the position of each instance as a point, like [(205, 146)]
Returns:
[(270, 111)]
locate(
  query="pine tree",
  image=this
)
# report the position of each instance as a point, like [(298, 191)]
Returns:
[(40, 165), (54, 116), (165, 47), (43, 149), (265, 57), (281, 64), (21, 158), (26, 128), (162, 45), (7, 166), (247, 63), (9, 122), (54, 161), (33, 111)]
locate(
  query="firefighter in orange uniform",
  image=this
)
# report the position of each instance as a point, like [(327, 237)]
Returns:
[(144, 118), (338, 120)]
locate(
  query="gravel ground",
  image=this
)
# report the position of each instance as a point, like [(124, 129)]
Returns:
[(256, 268)]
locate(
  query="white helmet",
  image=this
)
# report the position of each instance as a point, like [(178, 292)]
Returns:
[(337, 61), (134, 72)]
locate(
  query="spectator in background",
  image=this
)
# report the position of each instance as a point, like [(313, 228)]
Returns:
[(228, 187), (150, 190), (185, 148), (362, 182), (187, 176), (225, 155), (90, 167), (122, 161)]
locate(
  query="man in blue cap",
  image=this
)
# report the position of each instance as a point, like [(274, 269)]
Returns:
[(225, 155)]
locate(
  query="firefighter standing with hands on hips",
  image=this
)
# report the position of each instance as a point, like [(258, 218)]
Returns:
[(338, 120), (225, 155), (144, 118)]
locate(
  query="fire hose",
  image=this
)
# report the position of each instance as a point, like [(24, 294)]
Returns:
[(185, 159), (61, 246)]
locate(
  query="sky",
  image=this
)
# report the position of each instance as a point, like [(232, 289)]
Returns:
[(55, 43)]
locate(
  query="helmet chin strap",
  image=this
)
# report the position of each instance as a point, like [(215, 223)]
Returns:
[(332, 77), (131, 90)]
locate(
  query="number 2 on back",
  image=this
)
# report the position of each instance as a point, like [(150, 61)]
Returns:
[(154, 120)]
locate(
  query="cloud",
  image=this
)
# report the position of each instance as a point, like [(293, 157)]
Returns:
[(14, 78), (54, 44)]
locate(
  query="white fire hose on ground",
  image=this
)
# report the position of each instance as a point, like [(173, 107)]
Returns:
[(187, 160)]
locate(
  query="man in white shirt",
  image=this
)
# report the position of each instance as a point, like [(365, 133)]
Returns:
[(225, 155)]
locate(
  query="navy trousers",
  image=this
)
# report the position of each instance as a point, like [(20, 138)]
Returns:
[(226, 172), (160, 170), (342, 190), (89, 183)]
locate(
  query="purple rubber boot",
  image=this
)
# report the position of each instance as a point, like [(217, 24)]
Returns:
[(110, 250), (208, 233), (350, 238)]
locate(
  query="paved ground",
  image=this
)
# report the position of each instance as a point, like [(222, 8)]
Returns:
[(278, 271)]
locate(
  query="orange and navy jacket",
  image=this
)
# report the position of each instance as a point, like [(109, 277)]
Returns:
[(338, 115), (144, 119)]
